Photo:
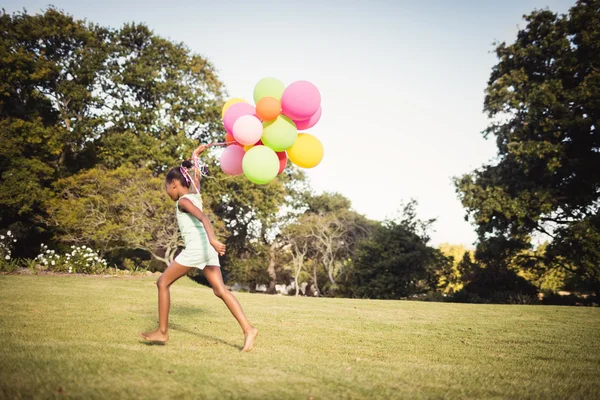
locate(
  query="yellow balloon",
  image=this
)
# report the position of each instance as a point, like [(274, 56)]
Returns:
[(307, 151), (248, 147), (231, 102)]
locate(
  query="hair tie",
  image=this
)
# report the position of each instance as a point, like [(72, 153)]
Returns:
[(185, 174)]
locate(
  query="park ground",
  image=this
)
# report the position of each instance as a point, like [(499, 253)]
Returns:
[(77, 336)]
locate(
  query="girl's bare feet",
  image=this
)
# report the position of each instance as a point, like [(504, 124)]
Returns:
[(155, 336), (249, 339)]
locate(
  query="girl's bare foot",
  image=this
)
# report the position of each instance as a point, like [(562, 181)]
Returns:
[(155, 336), (249, 339)]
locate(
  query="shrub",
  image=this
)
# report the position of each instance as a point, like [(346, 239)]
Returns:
[(7, 242), (84, 260), (81, 259), (49, 260)]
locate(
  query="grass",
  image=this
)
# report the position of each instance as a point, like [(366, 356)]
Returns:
[(76, 336)]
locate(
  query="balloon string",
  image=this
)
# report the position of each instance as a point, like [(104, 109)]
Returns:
[(221, 144), (201, 169)]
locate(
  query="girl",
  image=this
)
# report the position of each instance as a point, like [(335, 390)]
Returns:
[(197, 233)]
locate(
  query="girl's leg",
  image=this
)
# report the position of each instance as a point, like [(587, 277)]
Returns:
[(164, 282), (214, 277)]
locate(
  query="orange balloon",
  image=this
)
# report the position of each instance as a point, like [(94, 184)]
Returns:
[(268, 108), (229, 139)]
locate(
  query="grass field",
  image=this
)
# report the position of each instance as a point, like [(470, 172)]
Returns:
[(76, 336)]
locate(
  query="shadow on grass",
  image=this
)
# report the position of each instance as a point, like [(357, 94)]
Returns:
[(204, 336), (188, 310), (149, 343), (185, 310)]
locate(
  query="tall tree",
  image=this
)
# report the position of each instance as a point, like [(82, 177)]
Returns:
[(75, 95), (543, 98), (158, 98), (49, 68), (395, 261), (297, 238), (333, 231)]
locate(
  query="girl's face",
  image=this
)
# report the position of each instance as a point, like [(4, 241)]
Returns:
[(173, 189)]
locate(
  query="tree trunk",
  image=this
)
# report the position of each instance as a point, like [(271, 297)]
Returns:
[(334, 287), (297, 284), (315, 279), (271, 270), (163, 259), (330, 273), (168, 257)]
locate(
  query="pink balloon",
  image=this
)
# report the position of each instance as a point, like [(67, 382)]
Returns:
[(300, 100), (247, 129), (309, 123), (231, 159), (234, 112)]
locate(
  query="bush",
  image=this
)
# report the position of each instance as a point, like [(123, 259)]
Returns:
[(7, 242), (49, 260), (495, 297), (84, 260), (555, 299), (81, 259), (433, 296), (497, 285), (9, 265)]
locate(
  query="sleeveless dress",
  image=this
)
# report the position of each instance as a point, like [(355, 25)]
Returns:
[(198, 252)]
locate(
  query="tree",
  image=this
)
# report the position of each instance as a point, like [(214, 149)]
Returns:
[(158, 98), (329, 231), (112, 210), (395, 261), (297, 237), (49, 65), (547, 278), (490, 277), (450, 279), (74, 95), (255, 216), (543, 98)]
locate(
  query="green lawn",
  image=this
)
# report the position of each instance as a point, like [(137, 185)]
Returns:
[(76, 336)]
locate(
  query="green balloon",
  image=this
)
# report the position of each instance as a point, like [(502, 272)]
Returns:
[(260, 165), (271, 87), (280, 134)]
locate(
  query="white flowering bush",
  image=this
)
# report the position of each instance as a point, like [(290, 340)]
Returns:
[(7, 241), (85, 260), (81, 259), (49, 260)]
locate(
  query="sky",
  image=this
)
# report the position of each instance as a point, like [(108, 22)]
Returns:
[(402, 83)]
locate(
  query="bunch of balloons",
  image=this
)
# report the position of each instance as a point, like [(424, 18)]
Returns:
[(260, 139)]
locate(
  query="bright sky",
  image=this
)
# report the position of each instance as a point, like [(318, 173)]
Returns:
[(402, 82)]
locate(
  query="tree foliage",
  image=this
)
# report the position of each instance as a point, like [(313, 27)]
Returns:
[(396, 261), (75, 95), (543, 98)]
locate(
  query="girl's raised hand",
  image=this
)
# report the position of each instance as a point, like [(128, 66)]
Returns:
[(219, 247), (200, 149)]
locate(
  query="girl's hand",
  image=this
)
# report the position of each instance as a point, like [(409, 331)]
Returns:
[(219, 247), (200, 149)]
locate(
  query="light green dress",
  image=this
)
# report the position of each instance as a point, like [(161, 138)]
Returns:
[(198, 252)]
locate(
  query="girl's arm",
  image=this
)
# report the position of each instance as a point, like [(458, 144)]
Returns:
[(197, 174), (186, 205)]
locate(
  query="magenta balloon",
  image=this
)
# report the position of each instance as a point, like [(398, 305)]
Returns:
[(309, 123), (300, 100), (231, 159), (234, 112)]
